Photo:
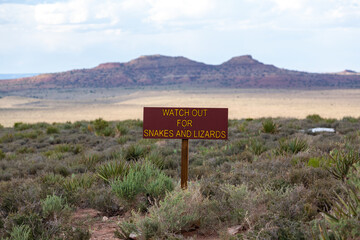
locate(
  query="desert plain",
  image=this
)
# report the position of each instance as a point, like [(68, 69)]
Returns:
[(120, 104)]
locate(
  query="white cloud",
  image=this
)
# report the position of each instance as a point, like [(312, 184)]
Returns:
[(162, 11)]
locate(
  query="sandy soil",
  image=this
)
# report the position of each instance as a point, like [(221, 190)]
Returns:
[(121, 104)]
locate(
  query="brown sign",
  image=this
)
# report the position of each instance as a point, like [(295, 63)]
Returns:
[(185, 123)]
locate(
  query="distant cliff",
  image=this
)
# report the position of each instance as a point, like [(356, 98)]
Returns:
[(158, 70)]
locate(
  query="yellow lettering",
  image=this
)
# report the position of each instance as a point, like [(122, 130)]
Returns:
[(207, 135), (165, 112)]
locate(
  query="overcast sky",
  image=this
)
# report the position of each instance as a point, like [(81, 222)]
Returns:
[(39, 36)]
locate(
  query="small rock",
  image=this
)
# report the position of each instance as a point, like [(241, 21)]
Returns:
[(234, 230), (133, 236), (105, 218)]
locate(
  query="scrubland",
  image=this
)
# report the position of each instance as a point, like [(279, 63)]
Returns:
[(271, 180)]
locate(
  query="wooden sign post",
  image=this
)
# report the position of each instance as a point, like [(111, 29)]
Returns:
[(185, 124)]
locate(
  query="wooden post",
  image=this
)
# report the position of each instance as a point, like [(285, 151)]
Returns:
[(184, 162)]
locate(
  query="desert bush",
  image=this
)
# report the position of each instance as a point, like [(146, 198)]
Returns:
[(268, 126), (22, 126), (135, 152), (2, 155), (142, 178), (293, 146), (100, 124), (102, 128), (6, 138), (52, 130), (83, 181), (121, 128), (113, 170), (90, 161), (22, 232), (181, 210), (256, 147), (54, 206), (315, 118), (350, 119), (156, 158)]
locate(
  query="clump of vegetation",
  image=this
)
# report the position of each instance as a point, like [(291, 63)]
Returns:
[(53, 206), (341, 162), (268, 126), (178, 212), (113, 170), (102, 128), (135, 152), (52, 130), (142, 178), (316, 118), (2, 155), (292, 146), (20, 126)]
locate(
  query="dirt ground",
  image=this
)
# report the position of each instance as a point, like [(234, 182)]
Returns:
[(121, 104)]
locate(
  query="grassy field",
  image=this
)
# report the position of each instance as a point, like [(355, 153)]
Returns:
[(271, 180)]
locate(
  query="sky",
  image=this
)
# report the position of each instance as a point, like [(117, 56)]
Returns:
[(43, 36)]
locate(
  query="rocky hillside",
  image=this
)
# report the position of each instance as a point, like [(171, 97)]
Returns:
[(158, 70)]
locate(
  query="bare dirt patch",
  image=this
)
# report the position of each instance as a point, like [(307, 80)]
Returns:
[(100, 226)]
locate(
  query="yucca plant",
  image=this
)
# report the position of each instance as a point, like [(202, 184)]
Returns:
[(256, 147), (135, 152), (112, 170), (344, 218), (293, 146), (268, 126), (342, 161)]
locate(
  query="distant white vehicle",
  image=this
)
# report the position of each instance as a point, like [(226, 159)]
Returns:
[(321, 129)]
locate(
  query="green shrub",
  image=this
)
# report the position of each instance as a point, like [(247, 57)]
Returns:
[(22, 232), (123, 139), (122, 129), (21, 126), (107, 132), (2, 155), (83, 181), (52, 130), (156, 158), (53, 206), (180, 211), (135, 152), (63, 148), (314, 162), (256, 147), (8, 137), (350, 119), (314, 118), (143, 178), (111, 170), (293, 146), (1, 126), (268, 126)]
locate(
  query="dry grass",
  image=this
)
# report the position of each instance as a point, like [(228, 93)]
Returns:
[(122, 104)]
